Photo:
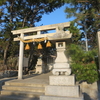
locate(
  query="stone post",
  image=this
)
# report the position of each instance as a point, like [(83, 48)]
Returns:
[(98, 37), (39, 65), (21, 53)]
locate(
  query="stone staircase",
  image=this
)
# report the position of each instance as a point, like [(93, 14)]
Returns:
[(22, 90)]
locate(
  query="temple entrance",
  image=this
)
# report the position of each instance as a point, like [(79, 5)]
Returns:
[(37, 35)]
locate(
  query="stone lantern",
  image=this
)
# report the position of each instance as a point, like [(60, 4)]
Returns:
[(61, 65)]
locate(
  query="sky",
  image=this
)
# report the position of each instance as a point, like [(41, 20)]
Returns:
[(58, 16)]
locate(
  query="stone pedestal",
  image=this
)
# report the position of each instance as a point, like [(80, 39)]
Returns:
[(59, 98), (62, 88), (62, 80), (61, 83)]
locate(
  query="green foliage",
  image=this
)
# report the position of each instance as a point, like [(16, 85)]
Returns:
[(87, 16), (83, 64), (2, 1), (76, 36), (85, 72), (12, 63)]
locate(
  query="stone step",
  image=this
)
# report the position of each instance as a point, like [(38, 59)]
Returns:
[(59, 98), (23, 88), (21, 93), (6, 97), (25, 84)]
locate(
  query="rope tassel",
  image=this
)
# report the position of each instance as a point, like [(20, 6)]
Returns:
[(39, 46), (48, 44), (27, 47)]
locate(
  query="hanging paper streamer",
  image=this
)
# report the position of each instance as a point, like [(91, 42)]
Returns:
[(27, 47), (39, 46), (33, 43), (48, 44), (45, 41)]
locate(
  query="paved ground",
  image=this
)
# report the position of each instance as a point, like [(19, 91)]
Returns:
[(36, 78)]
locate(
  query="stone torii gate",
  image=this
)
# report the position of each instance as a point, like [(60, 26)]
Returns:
[(60, 34)]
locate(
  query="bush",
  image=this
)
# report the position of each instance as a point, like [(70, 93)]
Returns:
[(83, 64)]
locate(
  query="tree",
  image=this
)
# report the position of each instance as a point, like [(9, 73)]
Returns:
[(16, 14), (76, 36), (83, 64), (87, 16)]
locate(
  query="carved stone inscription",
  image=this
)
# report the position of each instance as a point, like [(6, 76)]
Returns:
[(62, 80)]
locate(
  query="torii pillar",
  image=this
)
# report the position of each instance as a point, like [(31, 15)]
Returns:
[(21, 54)]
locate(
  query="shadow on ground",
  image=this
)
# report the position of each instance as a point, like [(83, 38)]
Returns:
[(87, 97), (14, 97)]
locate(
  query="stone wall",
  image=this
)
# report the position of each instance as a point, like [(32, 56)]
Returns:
[(4, 76), (8, 73), (90, 91)]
